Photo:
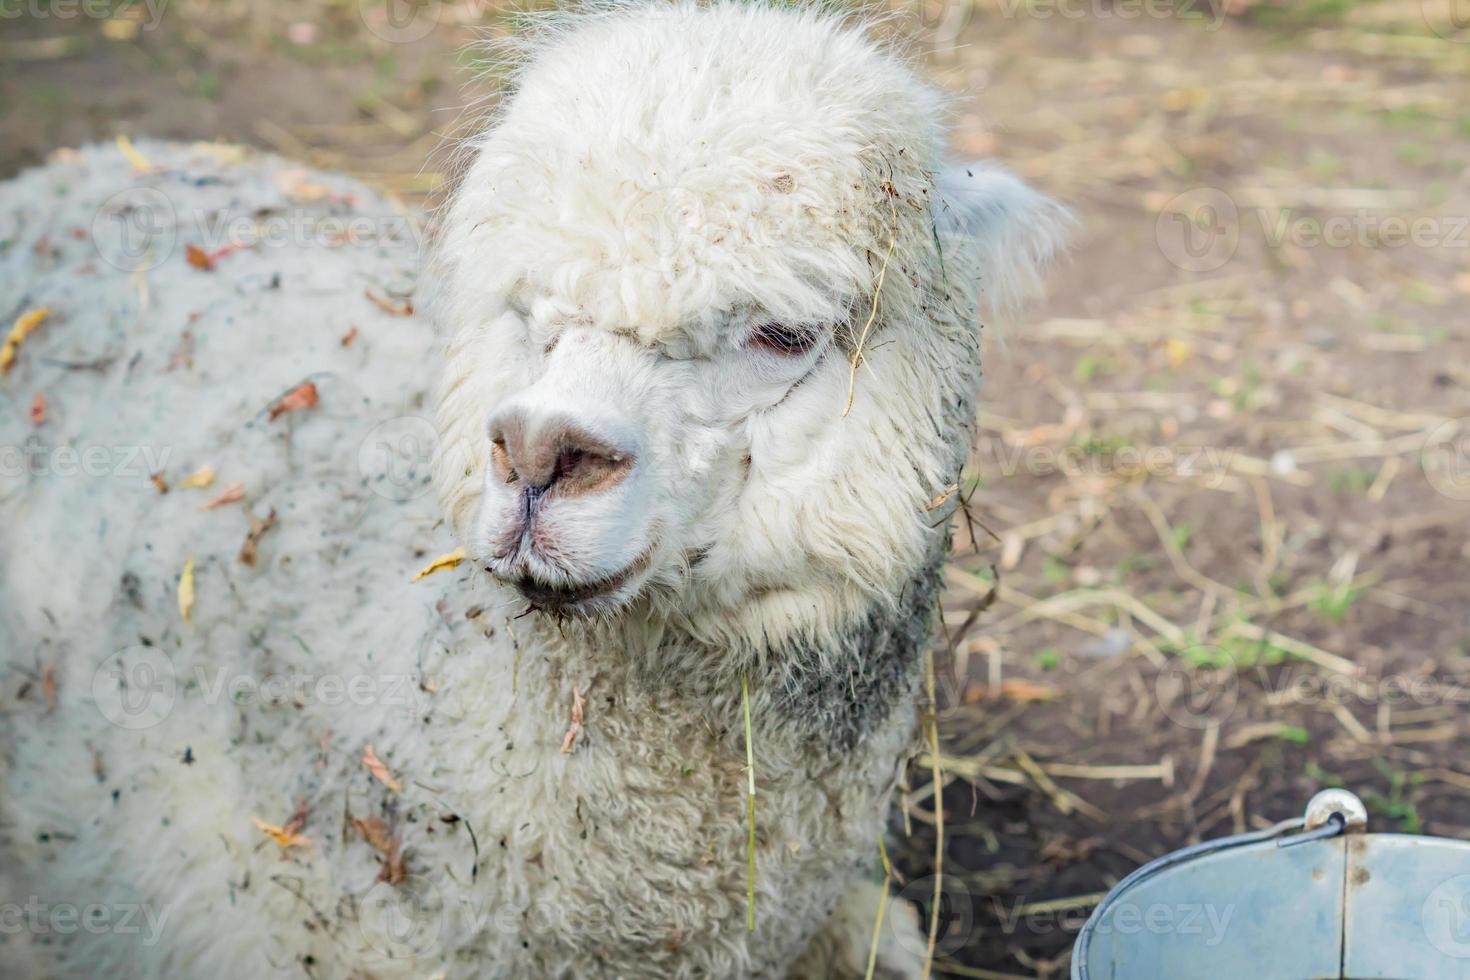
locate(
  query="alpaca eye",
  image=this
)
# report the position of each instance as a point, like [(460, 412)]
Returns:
[(782, 339)]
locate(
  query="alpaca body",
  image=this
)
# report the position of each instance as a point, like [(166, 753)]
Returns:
[(622, 857), (662, 262)]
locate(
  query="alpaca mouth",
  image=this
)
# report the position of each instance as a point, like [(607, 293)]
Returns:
[(576, 597)]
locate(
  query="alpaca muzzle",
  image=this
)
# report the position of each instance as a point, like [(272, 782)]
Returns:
[(560, 503), (555, 455)]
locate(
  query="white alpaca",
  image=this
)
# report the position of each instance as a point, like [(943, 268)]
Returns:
[(657, 270)]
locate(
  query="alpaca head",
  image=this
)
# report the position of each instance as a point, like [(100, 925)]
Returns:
[(657, 273)]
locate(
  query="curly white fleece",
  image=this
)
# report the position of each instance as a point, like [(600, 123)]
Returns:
[(665, 177)]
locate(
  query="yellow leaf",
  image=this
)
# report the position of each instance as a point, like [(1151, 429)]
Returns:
[(281, 835), (25, 325), (199, 479), (379, 769), (186, 591), (439, 564), (139, 161), (120, 29), (1178, 352), (227, 153)]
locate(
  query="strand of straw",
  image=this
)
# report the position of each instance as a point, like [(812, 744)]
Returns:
[(857, 354), (882, 908), (750, 785), (938, 777)]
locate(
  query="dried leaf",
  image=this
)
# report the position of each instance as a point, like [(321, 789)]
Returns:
[(1016, 689), (376, 833), (25, 325), (159, 483), (379, 769), (286, 836), (183, 355), (295, 185), (938, 501), (233, 493), (388, 306), (579, 711), (258, 529), (199, 479), (186, 591), (38, 409), (349, 337), (198, 258), (439, 564), (303, 396), (139, 162)]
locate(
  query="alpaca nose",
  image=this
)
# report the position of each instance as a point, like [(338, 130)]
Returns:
[(555, 453)]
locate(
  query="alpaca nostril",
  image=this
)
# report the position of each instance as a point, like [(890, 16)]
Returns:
[(586, 464), (568, 460), (556, 454), (500, 460)]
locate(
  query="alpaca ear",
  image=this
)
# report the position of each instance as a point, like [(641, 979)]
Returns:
[(1009, 230)]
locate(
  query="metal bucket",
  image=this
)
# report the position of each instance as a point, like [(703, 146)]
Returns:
[(1316, 896)]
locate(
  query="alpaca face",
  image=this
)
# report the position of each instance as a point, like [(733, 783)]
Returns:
[(616, 462), (658, 274)]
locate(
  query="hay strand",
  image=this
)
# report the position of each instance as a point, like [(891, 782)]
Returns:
[(938, 776), (750, 795), (882, 908)]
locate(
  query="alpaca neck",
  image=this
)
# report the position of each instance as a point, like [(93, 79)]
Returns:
[(835, 690)]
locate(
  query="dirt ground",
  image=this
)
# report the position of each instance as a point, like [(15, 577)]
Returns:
[(1213, 556)]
